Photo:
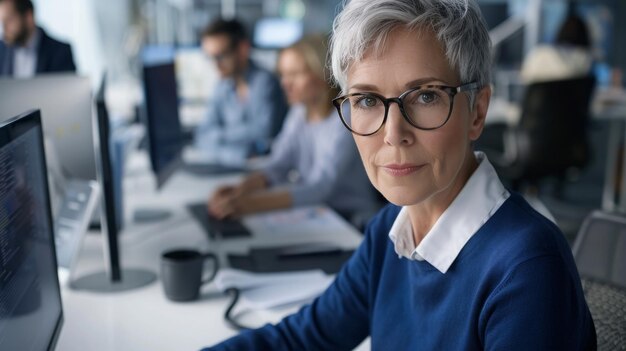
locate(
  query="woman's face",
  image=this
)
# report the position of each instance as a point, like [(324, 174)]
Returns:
[(407, 165), (300, 84)]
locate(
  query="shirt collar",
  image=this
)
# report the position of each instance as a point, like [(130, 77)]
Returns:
[(479, 199)]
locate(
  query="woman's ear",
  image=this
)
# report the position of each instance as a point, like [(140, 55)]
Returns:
[(479, 112)]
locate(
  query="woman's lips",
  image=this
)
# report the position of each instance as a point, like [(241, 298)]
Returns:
[(400, 170)]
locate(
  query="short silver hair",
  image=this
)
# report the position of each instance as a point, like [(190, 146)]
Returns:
[(458, 25)]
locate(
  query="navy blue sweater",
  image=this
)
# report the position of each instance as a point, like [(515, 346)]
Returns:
[(514, 286)]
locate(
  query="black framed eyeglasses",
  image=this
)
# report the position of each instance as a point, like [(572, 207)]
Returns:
[(425, 107)]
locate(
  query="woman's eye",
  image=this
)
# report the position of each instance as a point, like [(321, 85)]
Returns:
[(427, 97), (367, 102), (423, 97)]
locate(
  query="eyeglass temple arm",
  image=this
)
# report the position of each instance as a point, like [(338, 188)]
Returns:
[(468, 86)]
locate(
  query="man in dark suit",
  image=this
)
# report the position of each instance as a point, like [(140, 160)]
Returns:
[(25, 49)]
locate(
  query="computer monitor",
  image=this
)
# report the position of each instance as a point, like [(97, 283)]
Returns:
[(115, 278), (111, 199), (66, 106), (163, 129), (31, 314), (65, 103)]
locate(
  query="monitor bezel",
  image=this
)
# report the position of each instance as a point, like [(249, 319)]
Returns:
[(109, 224), (9, 131)]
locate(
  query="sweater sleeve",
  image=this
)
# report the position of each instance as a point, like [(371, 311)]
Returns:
[(337, 320), (537, 307), (282, 156), (332, 162)]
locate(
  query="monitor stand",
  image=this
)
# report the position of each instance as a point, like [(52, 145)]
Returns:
[(101, 282)]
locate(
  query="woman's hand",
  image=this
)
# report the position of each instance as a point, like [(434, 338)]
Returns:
[(253, 182), (226, 199), (222, 203), (225, 192)]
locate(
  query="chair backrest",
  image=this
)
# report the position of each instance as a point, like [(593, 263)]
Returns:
[(600, 248), (607, 304), (554, 123), (600, 254)]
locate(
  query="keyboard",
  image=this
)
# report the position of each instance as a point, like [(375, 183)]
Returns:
[(204, 169), (291, 258), (216, 228)]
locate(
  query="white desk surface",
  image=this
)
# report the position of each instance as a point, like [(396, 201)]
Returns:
[(143, 319)]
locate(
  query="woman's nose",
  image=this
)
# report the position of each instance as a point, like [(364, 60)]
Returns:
[(397, 130)]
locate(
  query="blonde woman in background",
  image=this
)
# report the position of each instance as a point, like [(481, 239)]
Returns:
[(313, 160)]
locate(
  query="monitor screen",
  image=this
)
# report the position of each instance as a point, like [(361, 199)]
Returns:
[(30, 301), (276, 33), (163, 128)]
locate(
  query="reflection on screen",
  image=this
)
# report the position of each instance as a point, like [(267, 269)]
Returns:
[(30, 302)]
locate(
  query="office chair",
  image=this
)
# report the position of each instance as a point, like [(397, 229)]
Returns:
[(551, 137), (600, 254)]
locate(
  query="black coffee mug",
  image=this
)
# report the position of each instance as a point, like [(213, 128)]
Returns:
[(181, 273)]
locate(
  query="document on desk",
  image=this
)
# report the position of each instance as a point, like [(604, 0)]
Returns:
[(269, 290), (296, 221)]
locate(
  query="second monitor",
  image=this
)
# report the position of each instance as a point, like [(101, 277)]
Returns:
[(163, 129), (67, 117)]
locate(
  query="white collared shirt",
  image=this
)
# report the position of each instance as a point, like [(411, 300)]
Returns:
[(25, 58), (479, 199)]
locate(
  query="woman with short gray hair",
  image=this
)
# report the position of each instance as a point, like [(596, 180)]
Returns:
[(456, 261)]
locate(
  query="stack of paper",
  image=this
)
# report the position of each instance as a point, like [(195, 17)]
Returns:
[(268, 290), (300, 221)]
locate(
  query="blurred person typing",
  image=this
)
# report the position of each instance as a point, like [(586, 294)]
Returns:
[(313, 160)]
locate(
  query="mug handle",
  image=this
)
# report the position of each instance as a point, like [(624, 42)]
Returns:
[(210, 256)]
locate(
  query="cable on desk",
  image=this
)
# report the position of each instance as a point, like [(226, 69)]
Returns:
[(228, 316)]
